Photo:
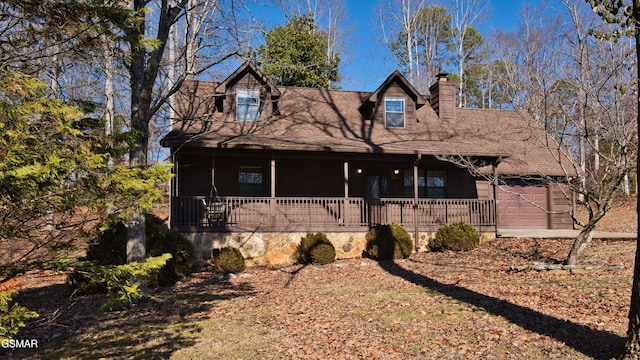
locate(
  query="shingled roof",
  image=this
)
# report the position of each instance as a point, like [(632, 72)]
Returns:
[(330, 121)]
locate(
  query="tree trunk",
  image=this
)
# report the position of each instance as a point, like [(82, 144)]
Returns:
[(632, 348), (582, 241), (143, 72)]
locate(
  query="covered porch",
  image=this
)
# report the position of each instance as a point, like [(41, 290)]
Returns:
[(232, 191)]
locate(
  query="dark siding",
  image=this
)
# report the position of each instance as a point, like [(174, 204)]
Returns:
[(309, 178), (194, 175)]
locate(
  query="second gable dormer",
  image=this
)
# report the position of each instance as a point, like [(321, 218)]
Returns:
[(247, 95), (393, 105)]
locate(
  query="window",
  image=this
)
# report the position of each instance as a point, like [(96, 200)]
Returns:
[(248, 104), (394, 112), (250, 181), (436, 184), (408, 183)]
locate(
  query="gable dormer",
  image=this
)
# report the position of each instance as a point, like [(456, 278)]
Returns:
[(394, 104), (247, 95)]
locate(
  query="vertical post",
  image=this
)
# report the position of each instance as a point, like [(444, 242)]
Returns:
[(213, 178), (273, 192), (173, 196), (415, 201), (495, 193), (345, 213)]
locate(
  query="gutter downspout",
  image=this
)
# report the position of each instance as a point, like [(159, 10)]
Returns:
[(415, 199)]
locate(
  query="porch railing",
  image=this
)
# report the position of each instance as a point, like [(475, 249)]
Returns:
[(200, 213)]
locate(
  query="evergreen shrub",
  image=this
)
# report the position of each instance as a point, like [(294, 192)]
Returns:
[(110, 249), (458, 236), (315, 249), (388, 242), (227, 260)]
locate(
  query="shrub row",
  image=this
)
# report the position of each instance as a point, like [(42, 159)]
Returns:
[(384, 242)]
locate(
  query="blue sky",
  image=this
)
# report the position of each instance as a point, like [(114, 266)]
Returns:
[(368, 63)]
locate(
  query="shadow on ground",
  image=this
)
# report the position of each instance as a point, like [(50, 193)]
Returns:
[(72, 326), (590, 342)]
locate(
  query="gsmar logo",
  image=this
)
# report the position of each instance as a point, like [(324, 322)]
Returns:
[(19, 343)]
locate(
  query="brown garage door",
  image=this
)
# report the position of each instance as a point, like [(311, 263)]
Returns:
[(515, 208)]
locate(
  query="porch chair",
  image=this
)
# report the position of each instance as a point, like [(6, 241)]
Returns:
[(214, 208)]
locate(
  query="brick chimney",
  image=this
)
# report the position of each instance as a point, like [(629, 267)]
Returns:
[(443, 97)]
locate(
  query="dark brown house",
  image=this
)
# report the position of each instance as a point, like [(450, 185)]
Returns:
[(252, 157)]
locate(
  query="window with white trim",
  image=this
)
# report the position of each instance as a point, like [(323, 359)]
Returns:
[(248, 104), (394, 112)]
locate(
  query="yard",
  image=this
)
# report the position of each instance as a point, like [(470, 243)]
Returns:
[(433, 305)]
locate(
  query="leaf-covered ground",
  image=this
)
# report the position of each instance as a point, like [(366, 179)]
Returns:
[(431, 306)]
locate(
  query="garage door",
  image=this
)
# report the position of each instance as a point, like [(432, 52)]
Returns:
[(516, 209)]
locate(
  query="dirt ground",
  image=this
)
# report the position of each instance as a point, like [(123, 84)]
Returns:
[(431, 306)]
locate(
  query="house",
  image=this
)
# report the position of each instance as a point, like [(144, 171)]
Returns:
[(257, 166)]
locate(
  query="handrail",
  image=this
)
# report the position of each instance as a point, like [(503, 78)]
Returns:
[(193, 213)]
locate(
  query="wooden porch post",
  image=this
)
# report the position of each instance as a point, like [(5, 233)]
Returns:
[(273, 193), (213, 177), (495, 192), (345, 213), (174, 187), (415, 200)]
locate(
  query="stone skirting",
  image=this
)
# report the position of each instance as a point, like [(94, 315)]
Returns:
[(262, 248)]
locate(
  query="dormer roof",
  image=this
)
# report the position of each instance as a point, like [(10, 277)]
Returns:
[(397, 78), (247, 66)]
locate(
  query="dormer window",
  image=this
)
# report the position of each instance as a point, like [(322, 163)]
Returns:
[(394, 112), (248, 104)]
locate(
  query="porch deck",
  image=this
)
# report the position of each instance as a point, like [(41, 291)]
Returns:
[(239, 213)]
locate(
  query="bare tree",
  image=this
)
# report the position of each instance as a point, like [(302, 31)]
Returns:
[(582, 106), (466, 15), (399, 27)]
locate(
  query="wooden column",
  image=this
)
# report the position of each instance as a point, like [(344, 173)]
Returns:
[(415, 200), (214, 191), (345, 213), (174, 188), (495, 192), (273, 193)]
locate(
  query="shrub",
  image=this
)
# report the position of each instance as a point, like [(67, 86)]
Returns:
[(227, 260), (110, 249), (12, 315), (323, 254), (121, 281), (315, 249), (456, 237), (387, 242)]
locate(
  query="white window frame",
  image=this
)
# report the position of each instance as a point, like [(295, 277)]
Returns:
[(249, 108), (388, 112)]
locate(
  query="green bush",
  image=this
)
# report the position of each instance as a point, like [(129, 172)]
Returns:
[(12, 315), (315, 249), (387, 242), (110, 249), (121, 281), (455, 237), (227, 260)]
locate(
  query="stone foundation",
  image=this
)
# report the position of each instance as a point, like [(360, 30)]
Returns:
[(262, 248)]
